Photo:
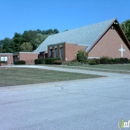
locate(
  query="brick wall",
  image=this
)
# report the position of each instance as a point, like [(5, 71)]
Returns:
[(9, 57), (109, 46), (71, 51), (28, 57)]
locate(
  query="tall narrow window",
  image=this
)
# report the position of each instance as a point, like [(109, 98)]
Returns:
[(61, 53), (56, 52), (51, 53)]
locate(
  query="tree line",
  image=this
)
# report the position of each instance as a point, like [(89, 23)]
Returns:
[(26, 42), (126, 28)]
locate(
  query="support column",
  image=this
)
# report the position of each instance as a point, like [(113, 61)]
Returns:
[(63, 52), (48, 51), (58, 51), (53, 50)]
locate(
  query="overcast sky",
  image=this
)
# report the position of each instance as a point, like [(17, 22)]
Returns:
[(21, 15)]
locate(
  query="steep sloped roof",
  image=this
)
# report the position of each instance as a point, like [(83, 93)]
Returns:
[(87, 35)]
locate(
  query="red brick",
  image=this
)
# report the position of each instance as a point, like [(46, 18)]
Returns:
[(109, 45)]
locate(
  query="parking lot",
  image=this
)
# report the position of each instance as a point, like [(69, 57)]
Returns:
[(87, 104)]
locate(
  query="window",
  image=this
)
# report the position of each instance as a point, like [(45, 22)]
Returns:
[(61, 53), (56, 52), (51, 53), (3, 58)]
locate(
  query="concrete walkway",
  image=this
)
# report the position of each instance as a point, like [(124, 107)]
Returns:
[(88, 104)]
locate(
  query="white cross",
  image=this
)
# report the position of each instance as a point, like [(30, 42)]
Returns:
[(122, 50)]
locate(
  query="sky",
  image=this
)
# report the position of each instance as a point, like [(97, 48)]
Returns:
[(20, 15)]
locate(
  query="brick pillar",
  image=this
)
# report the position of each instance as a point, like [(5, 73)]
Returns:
[(48, 51), (58, 51), (63, 52), (53, 49), (19, 56), (43, 55)]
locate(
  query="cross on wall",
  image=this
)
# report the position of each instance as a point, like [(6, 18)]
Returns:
[(122, 51)]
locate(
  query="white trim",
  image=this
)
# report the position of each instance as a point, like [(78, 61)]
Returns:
[(29, 52), (5, 54), (93, 57)]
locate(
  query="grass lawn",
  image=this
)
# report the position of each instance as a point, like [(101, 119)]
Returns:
[(21, 76), (119, 68), (111, 66)]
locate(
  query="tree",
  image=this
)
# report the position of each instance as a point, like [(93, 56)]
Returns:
[(65, 30), (81, 56), (55, 31), (30, 36), (1, 50), (17, 41), (34, 37), (1, 46), (126, 28), (6, 45), (49, 31), (26, 47), (39, 39)]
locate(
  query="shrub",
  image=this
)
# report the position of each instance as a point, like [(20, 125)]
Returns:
[(97, 61), (120, 60), (107, 60), (51, 60), (110, 61), (20, 62), (39, 61), (81, 56), (73, 63), (104, 60), (124, 60), (3, 61), (58, 62), (116, 61), (92, 62)]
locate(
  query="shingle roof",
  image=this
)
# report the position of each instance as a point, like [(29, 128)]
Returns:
[(87, 35)]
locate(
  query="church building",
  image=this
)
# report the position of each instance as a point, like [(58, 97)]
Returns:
[(98, 40)]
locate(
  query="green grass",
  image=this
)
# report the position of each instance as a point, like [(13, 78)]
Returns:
[(125, 67), (21, 76), (117, 68), (122, 67)]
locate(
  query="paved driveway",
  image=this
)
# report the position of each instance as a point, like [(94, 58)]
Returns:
[(91, 104)]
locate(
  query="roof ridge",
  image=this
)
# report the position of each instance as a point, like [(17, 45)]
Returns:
[(86, 26), (86, 35)]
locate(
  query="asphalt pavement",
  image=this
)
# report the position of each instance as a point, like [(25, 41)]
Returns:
[(87, 104)]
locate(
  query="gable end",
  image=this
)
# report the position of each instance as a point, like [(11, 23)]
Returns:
[(115, 25)]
